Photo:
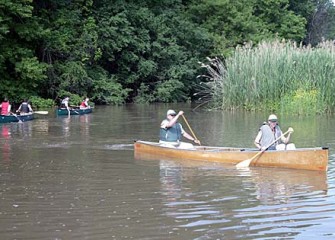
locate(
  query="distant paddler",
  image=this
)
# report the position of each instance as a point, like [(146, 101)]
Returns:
[(65, 104), (25, 108), (84, 104), (5, 107)]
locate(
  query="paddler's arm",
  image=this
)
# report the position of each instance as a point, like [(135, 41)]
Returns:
[(174, 120), (258, 140), (189, 137), (284, 139)]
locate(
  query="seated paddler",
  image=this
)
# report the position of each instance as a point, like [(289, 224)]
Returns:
[(25, 108), (271, 137), (171, 131)]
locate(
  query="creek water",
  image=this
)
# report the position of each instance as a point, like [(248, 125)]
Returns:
[(77, 178)]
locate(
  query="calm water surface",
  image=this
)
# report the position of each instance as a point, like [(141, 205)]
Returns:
[(76, 178)]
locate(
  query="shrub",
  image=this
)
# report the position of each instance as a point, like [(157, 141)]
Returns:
[(38, 103)]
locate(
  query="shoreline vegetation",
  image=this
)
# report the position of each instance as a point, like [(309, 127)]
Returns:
[(117, 52), (278, 76)]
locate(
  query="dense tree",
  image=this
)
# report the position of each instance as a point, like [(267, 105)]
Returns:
[(137, 50), (20, 70), (153, 52)]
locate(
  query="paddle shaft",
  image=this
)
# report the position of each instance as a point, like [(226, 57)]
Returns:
[(189, 127), (259, 153), (20, 121)]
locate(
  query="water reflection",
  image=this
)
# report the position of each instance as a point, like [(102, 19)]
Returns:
[(85, 125), (279, 186), (41, 127), (23, 129), (77, 179), (66, 126), (171, 179), (203, 203), (6, 147)]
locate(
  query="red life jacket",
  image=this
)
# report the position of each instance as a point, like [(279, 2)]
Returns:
[(83, 104), (4, 108)]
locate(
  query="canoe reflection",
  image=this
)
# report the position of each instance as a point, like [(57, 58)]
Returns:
[(213, 196), (271, 185), (278, 186)]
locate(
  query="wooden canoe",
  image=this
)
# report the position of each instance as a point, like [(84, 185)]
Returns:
[(73, 111), (301, 158), (16, 118)]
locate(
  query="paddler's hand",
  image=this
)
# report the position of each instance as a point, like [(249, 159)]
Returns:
[(290, 130), (196, 141), (180, 113)]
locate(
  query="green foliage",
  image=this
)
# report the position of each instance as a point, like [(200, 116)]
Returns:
[(144, 94), (20, 70), (109, 92), (237, 22), (106, 90), (303, 102), (170, 91), (139, 51), (31, 70), (153, 50), (74, 100), (320, 17), (38, 103), (74, 78), (278, 19)]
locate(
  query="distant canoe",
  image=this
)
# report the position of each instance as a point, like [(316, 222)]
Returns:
[(74, 111), (16, 118), (301, 158)]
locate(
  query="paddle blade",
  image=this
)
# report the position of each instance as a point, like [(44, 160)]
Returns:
[(41, 112), (244, 163)]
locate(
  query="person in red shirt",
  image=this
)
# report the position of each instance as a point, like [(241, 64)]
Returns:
[(84, 104), (5, 107)]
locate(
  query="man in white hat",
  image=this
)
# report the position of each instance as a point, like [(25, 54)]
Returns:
[(65, 104), (269, 132), (171, 131)]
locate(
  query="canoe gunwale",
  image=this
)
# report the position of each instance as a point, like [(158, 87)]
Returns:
[(16, 118), (76, 111), (301, 158)]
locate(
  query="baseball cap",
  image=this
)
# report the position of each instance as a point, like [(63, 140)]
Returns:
[(273, 118), (171, 112)]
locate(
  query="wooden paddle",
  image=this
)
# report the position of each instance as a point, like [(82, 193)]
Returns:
[(246, 163), (15, 115), (75, 111), (41, 112), (189, 127)]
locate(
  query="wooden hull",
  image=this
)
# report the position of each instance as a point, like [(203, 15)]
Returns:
[(17, 118), (302, 158), (77, 111)]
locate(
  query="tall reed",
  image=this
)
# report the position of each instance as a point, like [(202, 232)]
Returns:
[(274, 76)]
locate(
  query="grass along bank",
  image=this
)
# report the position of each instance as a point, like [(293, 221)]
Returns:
[(277, 76)]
